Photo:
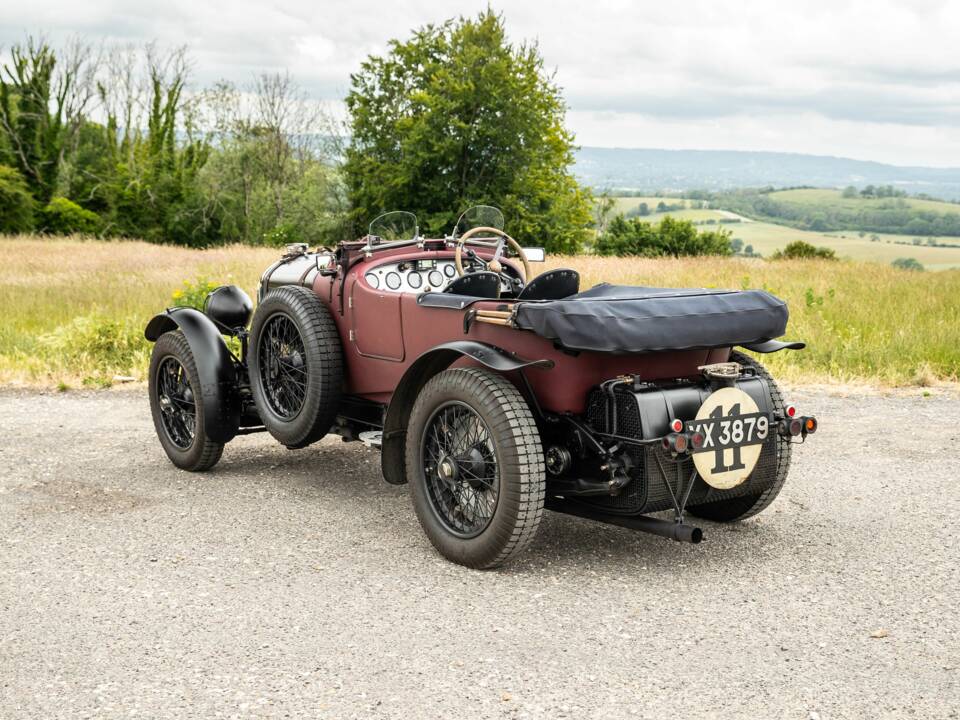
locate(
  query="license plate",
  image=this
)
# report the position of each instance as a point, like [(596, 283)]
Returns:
[(722, 432)]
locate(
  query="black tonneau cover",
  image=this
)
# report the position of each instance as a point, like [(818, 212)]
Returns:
[(622, 319)]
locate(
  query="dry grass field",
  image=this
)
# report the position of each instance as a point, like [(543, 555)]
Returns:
[(74, 311)]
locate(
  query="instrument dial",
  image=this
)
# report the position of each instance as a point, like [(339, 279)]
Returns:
[(414, 279), (436, 278), (372, 280), (449, 270), (393, 280)]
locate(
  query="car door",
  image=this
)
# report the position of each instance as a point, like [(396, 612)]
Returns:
[(376, 328)]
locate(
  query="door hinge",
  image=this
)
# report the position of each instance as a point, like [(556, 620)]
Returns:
[(352, 336), (350, 302)]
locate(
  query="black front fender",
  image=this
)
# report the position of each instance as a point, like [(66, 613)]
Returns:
[(423, 368), (215, 366)]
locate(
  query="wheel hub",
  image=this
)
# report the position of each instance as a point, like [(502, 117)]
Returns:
[(448, 470), (460, 469)]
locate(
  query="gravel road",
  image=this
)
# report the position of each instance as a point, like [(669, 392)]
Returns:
[(298, 584)]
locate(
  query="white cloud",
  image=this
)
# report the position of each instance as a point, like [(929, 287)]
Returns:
[(871, 79)]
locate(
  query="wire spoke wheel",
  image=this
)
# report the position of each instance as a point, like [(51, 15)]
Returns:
[(178, 409), (460, 468), (283, 367), (295, 365), (177, 403)]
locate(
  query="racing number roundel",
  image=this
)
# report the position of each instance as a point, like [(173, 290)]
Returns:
[(720, 419)]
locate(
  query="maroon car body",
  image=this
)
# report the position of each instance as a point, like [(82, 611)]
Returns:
[(387, 331), (492, 394)]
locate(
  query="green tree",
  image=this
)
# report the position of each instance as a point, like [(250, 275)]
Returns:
[(671, 237), (42, 102), (908, 264), (155, 160), (799, 250), (271, 179), (456, 116), (16, 202), (603, 208), (61, 216), (850, 192)]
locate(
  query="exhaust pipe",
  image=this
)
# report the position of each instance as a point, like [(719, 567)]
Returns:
[(680, 532)]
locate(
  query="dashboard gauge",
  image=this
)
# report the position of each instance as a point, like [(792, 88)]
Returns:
[(414, 279), (393, 280), (372, 280), (449, 270), (436, 279)]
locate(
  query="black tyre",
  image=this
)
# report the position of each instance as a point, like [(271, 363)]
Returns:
[(475, 466), (176, 407), (296, 366), (741, 508)]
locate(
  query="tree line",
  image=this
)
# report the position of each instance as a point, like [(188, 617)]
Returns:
[(893, 214), (113, 141), (107, 141)]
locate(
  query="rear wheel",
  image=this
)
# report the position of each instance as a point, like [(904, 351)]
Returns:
[(475, 463), (296, 366), (741, 508), (176, 406)]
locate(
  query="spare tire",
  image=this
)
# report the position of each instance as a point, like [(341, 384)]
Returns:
[(741, 508), (295, 362)]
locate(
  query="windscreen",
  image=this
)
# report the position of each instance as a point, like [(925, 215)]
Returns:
[(396, 225), (479, 216)]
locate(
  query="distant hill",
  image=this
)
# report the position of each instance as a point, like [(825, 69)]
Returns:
[(645, 169)]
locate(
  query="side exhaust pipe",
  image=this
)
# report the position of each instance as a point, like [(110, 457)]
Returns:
[(680, 532)]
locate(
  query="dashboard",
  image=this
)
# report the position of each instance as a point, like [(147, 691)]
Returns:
[(413, 276), (417, 276)]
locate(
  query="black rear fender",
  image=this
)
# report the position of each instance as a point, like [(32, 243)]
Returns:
[(215, 365), (423, 368)]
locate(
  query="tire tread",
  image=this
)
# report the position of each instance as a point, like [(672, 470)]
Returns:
[(321, 342), (210, 452), (522, 470)]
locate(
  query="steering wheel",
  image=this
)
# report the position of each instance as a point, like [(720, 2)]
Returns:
[(493, 265)]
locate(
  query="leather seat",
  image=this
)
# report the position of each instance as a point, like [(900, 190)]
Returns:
[(552, 285), (484, 284)]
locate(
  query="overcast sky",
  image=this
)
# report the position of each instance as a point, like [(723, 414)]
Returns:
[(872, 80)]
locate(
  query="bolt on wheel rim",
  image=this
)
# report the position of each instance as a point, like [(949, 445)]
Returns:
[(460, 468)]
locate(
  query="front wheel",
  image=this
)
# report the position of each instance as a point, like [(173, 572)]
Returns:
[(475, 463), (176, 405)]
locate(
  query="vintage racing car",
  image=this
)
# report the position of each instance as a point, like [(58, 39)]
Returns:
[(494, 394)]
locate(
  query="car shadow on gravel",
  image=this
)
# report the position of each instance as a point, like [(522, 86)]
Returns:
[(348, 476)]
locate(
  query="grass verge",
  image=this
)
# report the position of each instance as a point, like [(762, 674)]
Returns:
[(73, 311)]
